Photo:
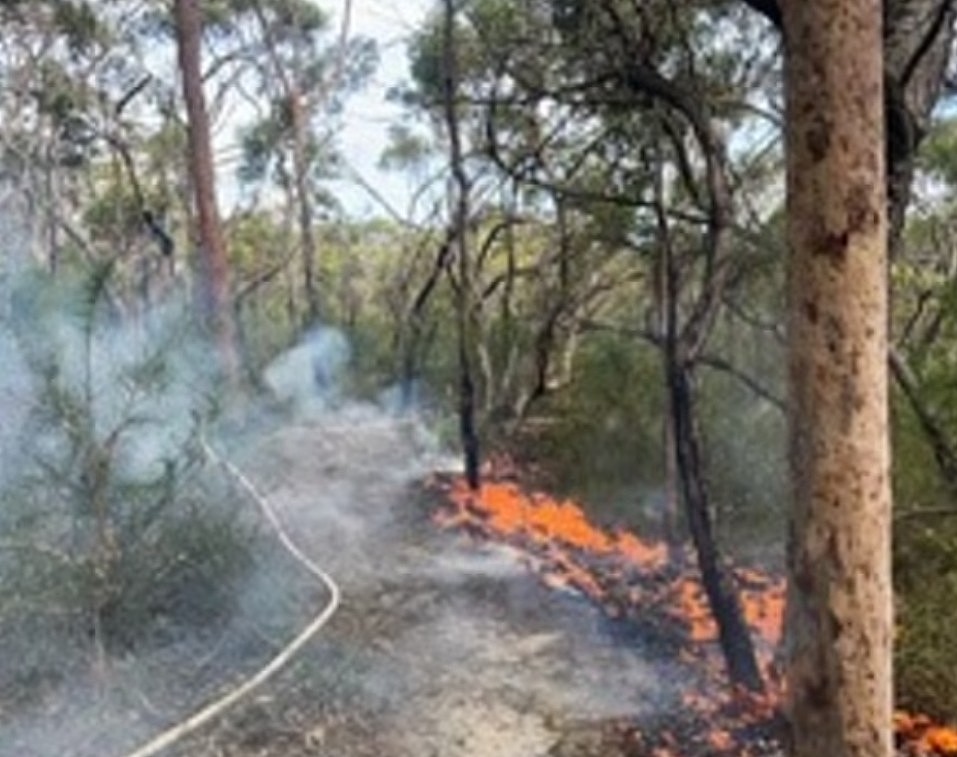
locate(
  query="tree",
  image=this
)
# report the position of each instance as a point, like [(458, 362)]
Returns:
[(214, 266), (840, 602), (459, 226), (303, 78), (612, 66)]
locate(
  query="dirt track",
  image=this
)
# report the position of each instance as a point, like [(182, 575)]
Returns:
[(441, 647)]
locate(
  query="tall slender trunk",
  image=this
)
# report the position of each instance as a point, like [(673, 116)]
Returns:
[(665, 331), (213, 289), (300, 167), (460, 220), (839, 614), (684, 453), (718, 582)]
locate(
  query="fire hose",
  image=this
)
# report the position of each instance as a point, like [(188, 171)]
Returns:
[(202, 716)]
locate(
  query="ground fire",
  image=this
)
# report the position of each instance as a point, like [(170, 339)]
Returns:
[(636, 579)]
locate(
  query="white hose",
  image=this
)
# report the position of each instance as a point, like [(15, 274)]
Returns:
[(217, 707)]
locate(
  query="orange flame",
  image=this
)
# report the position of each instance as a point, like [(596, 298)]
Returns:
[(923, 736), (634, 572), (561, 530)]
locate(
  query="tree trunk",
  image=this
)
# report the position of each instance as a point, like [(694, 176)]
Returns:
[(460, 220), (718, 581), (679, 346), (300, 167), (918, 35), (839, 601), (666, 331), (213, 287)]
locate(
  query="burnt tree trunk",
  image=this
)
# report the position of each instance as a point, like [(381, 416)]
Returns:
[(213, 287), (468, 428), (839, 613), (717, 580), (680, 347), (917, 42)]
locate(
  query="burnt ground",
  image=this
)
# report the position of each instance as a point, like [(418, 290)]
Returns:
[(442, 646)]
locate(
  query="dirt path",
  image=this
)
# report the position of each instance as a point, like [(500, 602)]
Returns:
[(441, 647)]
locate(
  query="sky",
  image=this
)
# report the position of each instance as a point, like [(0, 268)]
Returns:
[(368, 114)]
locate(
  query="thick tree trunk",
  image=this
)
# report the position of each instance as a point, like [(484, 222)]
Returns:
[(213, 263), (839, 602)]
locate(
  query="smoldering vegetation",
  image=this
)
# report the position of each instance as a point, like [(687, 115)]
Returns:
[(137, 581), (120, 546), (441, 645)]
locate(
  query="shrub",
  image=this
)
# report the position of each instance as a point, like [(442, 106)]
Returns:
[(925, 576), (111, 519), (925, 653)]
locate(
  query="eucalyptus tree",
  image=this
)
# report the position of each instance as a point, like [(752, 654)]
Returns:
[(91, 135), (303, 79), (64, 71), (619, 116), (538, 266), (653, 109), (840, 599), (213, 286)]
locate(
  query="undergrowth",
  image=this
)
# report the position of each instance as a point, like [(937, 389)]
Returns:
[(114, 528)]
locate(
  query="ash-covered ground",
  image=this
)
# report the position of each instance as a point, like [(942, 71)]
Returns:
[(441, 646)]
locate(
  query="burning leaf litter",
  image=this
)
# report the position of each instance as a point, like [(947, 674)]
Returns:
[(629, 576)]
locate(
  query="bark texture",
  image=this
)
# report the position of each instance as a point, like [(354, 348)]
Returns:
[(840, 602), (213, 263)]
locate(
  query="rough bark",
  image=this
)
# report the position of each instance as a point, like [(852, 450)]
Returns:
[(839, 603), (214, 266), (917, 39)]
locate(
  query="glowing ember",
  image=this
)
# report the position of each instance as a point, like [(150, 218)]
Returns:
[(623, 572), (561, 530), (923, 737)]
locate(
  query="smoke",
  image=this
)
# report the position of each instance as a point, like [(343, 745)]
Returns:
[(308, 377), (90, 401), (442, 646)]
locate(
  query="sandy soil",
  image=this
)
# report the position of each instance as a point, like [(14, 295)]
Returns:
[(442, 647)]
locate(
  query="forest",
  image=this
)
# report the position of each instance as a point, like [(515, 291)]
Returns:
[(627, 427)]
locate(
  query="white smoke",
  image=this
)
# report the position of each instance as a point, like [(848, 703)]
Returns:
[(309, 377)]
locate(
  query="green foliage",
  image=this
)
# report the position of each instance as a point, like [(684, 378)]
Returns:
[(80, 24), (112, 519), (114, 213), (939, 153), (602, 437), (925, 654), (925, 575)]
